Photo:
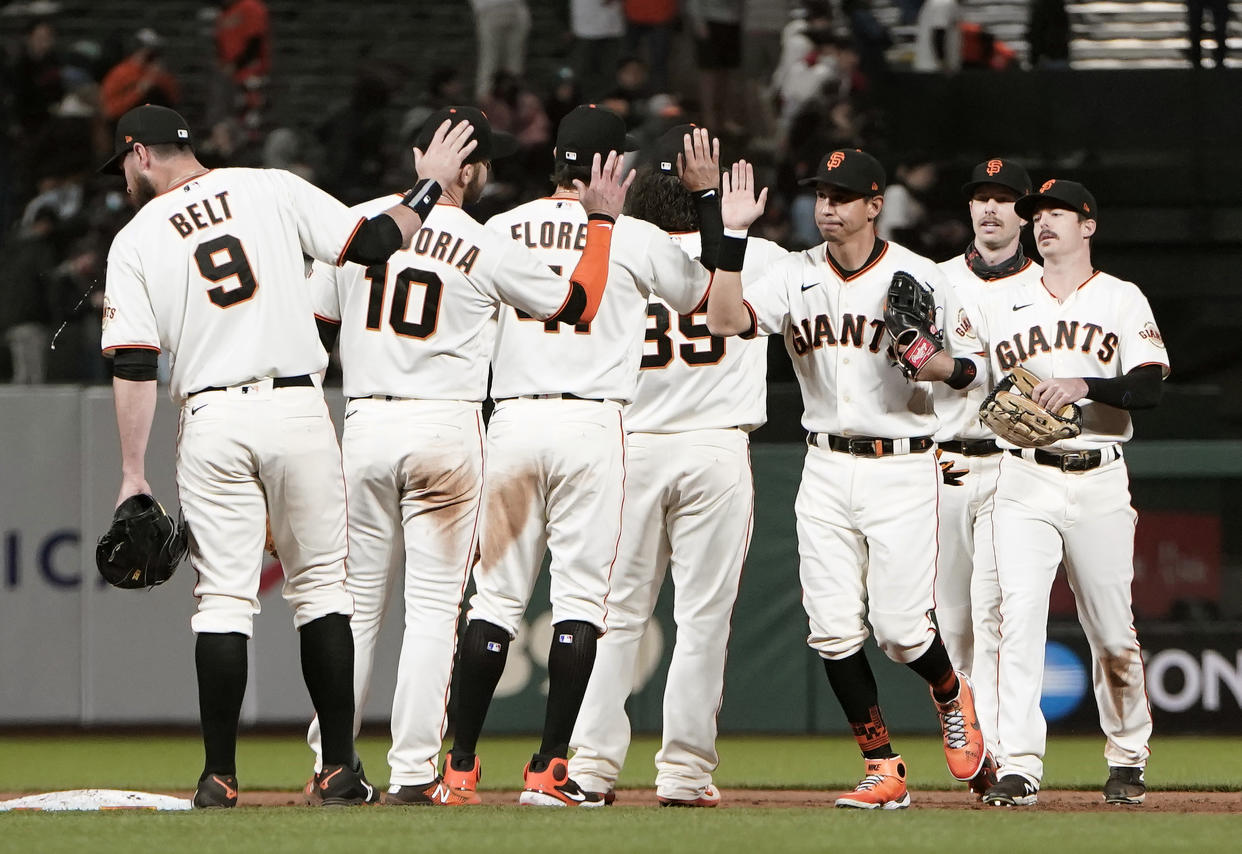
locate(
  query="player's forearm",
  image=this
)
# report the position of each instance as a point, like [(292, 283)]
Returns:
[(135, 409), (711, 226), (726, 311), (1141, 388), (590, 277), (381, 235), (960, 373)]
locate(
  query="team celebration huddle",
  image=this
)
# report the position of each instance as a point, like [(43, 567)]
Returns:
[(965, 424)]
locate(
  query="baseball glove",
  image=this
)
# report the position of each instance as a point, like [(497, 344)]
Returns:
[(270, 545), (142, 546), (910, 317), (1010, 413)]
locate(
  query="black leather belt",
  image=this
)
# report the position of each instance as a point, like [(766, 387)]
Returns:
[(971, 447), (866, 446), (278, 382), (1073, 461), (562, 396)]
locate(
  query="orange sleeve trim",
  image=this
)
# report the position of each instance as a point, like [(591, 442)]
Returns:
[(340, 259), (327, 319), (754, 323), (1166, 372), (592, 270), (130, 347)]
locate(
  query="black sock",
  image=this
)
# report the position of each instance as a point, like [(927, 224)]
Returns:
[(570, 661), (328, 670), (220, 660), (853, 682), (937, 671), (480, 662)]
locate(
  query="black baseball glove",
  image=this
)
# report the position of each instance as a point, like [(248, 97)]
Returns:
[(910, 317), (143, 545)]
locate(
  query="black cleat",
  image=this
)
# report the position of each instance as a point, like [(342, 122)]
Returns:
[(216, 791), (342, 786), (1012, 790), (1125, 785)]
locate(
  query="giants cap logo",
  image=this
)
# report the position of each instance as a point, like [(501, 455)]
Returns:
[(1047, 185), (994, 166), (835, 159), (129, 138)]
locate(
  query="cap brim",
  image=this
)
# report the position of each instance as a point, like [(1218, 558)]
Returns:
[(968, 189), (113, 166), (811, 182), (1026, 206), (503, 144)]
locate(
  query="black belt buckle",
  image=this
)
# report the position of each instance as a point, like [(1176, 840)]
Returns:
[(867, 447), (1077, 461)]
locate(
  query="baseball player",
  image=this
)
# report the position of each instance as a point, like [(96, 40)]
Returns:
[(210, 270), (556, 459), (866, 506), (1093, 339), (967, 596), (416, 338), (688, 503)]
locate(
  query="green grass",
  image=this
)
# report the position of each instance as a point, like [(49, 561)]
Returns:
[(47, 763), (164, 762), (617, 829)]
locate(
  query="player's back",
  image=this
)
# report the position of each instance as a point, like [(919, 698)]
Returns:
[(598, 360), (220, 257), (690, 379)]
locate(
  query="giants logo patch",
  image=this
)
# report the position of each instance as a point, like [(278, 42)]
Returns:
[(1151, 334), (1047, 185), (994, 166), (109, 312), (834, 160)]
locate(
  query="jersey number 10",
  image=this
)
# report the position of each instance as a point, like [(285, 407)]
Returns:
[(377, 275)]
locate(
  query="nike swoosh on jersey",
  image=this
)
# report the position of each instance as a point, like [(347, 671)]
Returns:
[(808, 287), (1020, 307)]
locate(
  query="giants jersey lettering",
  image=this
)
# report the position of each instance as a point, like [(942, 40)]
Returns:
[(423, 325), (690, 379), (959, 410), (1103, 329), (599, 359), (210, 271), (834, 331)]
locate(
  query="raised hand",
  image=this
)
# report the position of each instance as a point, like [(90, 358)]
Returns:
[(606, 192), (739, 207), (449, 147), (699, 164)]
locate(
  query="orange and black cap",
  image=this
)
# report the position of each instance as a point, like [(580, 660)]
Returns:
[(492, 144), (1058, 193), (850, 169), (588, 130), (149, 125), (1004, 173)]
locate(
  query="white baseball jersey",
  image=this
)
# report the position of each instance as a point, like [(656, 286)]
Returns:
[(1104, 329), (833, 326), (959, 410), (690, 379), (423, 325), (209, 256), (598, 360)]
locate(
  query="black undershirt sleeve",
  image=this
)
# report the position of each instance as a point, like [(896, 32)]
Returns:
[(711, 226), (374, 241), (328, 331), (571, 312), (964, 372), (136, 364), (1141, 388)]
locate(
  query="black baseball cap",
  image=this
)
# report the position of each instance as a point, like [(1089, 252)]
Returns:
[(589, 130), (672, 143), (492, 144), (1004, 173), (150, 125), (1058, 193), (850, 169)]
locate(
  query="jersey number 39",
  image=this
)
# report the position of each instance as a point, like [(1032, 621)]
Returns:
[(693, 328)]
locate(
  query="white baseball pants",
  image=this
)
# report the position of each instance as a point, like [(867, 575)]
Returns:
[(689, 502), (414, 473), (867, 550), (246, 454), (555, 481), (967, 593), (1044, 515)]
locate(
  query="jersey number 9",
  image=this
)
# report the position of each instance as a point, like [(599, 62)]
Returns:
[(224, 258)]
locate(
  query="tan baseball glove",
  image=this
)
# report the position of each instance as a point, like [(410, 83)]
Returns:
[(270, 545), (1010, 413)]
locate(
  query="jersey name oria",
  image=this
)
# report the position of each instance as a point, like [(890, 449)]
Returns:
[(202, 214), (446, 247), (1068, 335), (551, 235), (853, 331)]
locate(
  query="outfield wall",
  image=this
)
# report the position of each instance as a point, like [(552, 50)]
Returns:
[(75, 651)]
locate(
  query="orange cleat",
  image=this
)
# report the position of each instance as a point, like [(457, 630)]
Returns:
[(552, 786), (964, 750), (708, 796), (884, 787), (461, 775)]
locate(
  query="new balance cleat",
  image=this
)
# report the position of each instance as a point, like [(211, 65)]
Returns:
[(548, 784), (437, 793), (1012, 790), (342, 786), (462, 775), (883, 788), (964, 751), (708, 796), (215, 791), (1125, 785)]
